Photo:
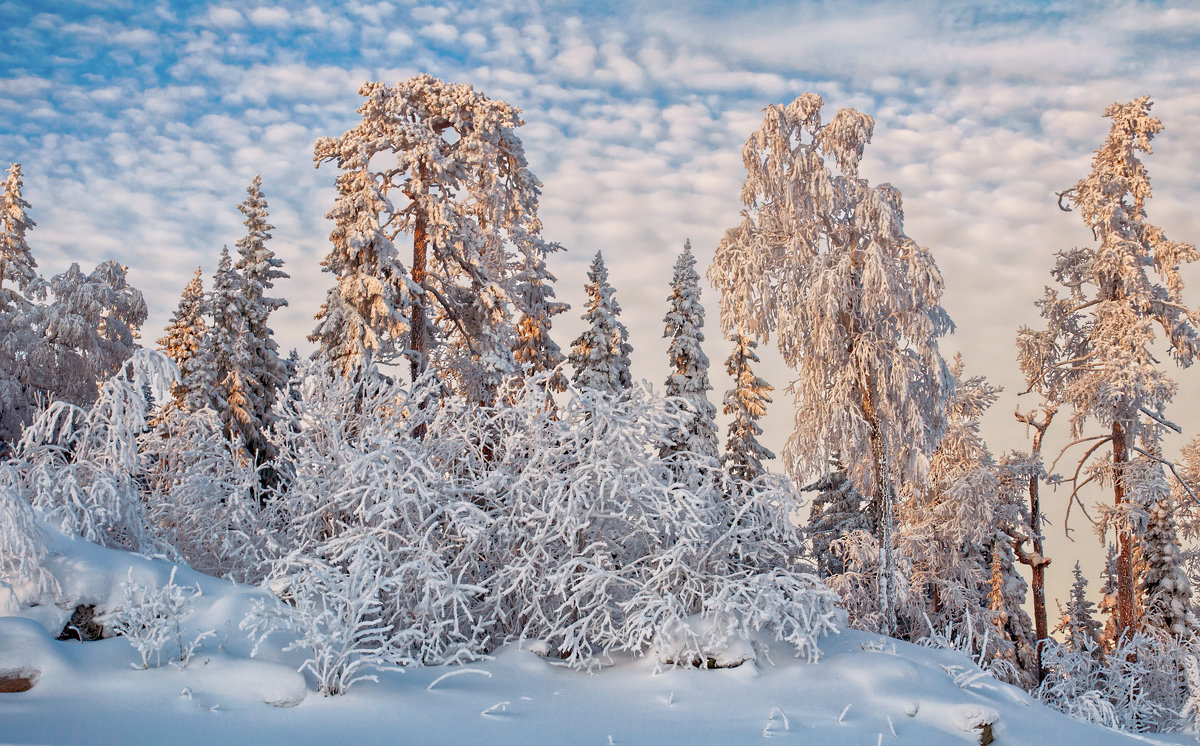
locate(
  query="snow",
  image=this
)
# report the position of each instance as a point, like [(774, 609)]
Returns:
[(865, 689)]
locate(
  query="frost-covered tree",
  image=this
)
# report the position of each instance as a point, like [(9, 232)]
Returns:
[(600, 355), (17, 265), (821, 260), (689, 365), (746, 403), (1165, 594), (1014, 641), (224, 342), (182, 343), (1096, 353), (441, 162), (265, 372), (837, 509), (534, 350), (1077, 623)]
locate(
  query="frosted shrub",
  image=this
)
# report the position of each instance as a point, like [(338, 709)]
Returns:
[(150, 618), (336, 613), (22, 552)]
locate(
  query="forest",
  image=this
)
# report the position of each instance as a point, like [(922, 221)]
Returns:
[(441, 478)]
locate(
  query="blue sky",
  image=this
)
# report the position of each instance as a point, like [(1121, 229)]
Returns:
[(139, 125)]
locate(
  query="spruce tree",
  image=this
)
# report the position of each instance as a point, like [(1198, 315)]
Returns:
[(1165, 592), (600, 355), (1077, 622), (746, 402), (265, 373), (837, 509), (689, 375), (182, 342), (1015, 640), (17, 266), (534, 350)]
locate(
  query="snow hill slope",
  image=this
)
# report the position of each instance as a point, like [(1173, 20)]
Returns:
[(866, 689)]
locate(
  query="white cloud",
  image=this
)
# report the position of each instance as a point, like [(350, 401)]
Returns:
[(225, 17), (270, 17)]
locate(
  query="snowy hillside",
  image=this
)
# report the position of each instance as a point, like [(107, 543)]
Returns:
[(865, 689)]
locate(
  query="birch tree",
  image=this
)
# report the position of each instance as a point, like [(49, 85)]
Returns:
[(821, 260), (1096, 353)]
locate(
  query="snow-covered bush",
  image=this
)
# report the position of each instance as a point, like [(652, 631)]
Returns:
[(205, 495), (80, 468), (150, 618), (22, 552), (337, 615)]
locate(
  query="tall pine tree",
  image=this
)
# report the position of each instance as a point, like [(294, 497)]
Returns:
[(746, 403), (18, 269)]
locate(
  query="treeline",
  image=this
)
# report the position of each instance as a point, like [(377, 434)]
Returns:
[(446, 476)]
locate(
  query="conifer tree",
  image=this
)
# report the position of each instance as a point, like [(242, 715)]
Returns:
[(837, 510), (600, 355), (689, 376), (1164, 590), (182, 342), (534, 350), (821, 261), (1078, 622), (461, 186), (17, 266), (1096, 352), (1006, 599), (746, 402), (265, 373), (225, 345)]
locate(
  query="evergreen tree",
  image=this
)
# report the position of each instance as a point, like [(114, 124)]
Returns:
[(17, 265), (1108, 601), (837, 510), (534, 350), (600, 355), (689, 377), (225, 345), (1078, 622), (821, 261), (746, 402), (463, 190), (182, 342), (1015, 641), (1165, 592), (265, 373), (1096, 353)]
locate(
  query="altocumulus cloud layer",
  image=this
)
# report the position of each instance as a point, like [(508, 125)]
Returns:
[(140, 123)]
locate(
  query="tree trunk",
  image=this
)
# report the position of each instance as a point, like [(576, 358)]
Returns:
[(1038, 573), (1125, 606), (887, 549), (417, 320)]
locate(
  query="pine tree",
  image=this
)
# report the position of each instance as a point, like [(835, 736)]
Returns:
[(822, 261), (463, 190), (265, 374), (1108, 601), (225, 345), (182, 342), (689, 377), (17, 265), (1096, 353), (600, 355), (746, 402), (1078, 622)]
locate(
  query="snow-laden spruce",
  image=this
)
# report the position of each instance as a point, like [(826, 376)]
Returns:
[(17, 266), (746, 403), (821, 261), (600, 354), (684, 327)]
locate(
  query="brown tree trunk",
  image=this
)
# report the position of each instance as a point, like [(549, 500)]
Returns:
[(417, 320), (1037, 569), (1125, 606)]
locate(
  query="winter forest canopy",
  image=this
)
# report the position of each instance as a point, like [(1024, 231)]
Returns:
[(443, 476)]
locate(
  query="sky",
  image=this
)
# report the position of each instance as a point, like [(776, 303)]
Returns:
[(140, 123)]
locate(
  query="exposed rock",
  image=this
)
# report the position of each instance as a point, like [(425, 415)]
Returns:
[(19, 680), (83, 625)]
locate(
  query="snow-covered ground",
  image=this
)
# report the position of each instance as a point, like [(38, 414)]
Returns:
[(865, 690)]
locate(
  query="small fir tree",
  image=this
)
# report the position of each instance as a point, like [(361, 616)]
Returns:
[(600, 355), (746, 402), (1077, 623), (182, 342)]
